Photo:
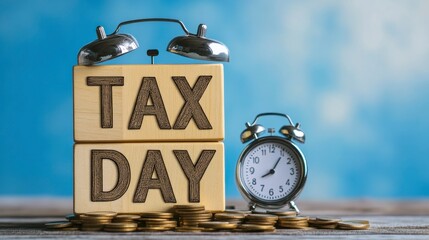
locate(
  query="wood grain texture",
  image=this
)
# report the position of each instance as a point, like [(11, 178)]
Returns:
[(156, 181), (130, 103)]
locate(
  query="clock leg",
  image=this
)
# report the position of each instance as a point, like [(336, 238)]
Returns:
[(293, 206), (252, 206)]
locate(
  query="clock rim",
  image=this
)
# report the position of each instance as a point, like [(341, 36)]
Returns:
[(283, 201)]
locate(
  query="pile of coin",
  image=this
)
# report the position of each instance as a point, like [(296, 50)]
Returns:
[(231, 217), (258, 222), (157, 221), (120, 227), (280, 213), (189, 216), (217, 226), (323, 222), (195, 218), (95, 221), (293, 222)]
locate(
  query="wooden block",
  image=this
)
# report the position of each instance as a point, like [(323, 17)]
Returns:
[(138, 177), (122, 103)]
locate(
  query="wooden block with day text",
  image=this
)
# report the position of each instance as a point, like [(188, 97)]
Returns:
[(139, 177), (129, 103)]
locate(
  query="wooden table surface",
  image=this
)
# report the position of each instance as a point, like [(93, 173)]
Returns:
[(23, 218)]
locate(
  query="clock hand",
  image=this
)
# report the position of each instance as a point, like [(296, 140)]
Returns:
[(271, 172), (278, 160)]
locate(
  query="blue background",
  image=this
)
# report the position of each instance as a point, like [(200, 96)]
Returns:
[(354, 73)]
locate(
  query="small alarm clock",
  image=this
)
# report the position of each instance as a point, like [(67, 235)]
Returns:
[(271, 171)]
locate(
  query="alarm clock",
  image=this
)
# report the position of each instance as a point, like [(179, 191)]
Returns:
[(271, 171)]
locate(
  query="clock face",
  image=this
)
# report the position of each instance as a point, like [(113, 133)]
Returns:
[(271, 171)]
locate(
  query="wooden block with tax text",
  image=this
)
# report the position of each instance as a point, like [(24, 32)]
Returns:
[(130, 103), (139, 177)]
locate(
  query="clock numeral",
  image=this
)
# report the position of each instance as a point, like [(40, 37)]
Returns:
[(292, 171), (282, 153), (272, 149), (264, 152), (289, 160), (262, 187), (254, 181), (252, 170), (288, 182), (271, 192), (256, 160), (281, 188)]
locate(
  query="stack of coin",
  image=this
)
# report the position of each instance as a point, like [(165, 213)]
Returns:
[(192, 215), (122, 218), (261, 219), (217, 226), (293, 222), (254, 228), (95, 221), (258, 222), (353, 225), (231, 217), (280, 213), (120, 227), (323, 222), (157, 221)]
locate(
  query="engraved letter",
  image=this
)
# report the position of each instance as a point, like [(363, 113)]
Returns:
[(149, 88), (154, 163), (192, 108), (106, 84), (194, 173), (124, 175)]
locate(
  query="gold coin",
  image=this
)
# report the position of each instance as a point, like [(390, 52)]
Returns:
[(58, 224), (199, 216), (166, 221), (292, 225), (261, 222), (282, 213), (218, 225), (157, 215), (291, 218), (92, 225), (95, 218), (152, 219), (96, 221), (255, 227), (353, 225), (101, 214), (262, 216), (126, 217), (327, 226), (182, 213), (328, 219), (121, 225), (120, 229), (226, 215)]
